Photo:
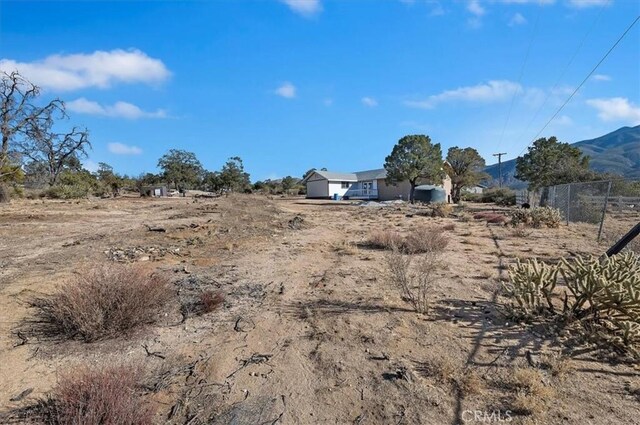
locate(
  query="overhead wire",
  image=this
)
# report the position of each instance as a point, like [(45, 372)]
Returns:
[(564, 70), (518, 85), (594, 69)]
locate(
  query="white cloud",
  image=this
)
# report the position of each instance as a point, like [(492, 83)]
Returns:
[(369, 101), (475, 8), (306, 8), (616, 109), (493, 91), (98, 69), (601, 77), (122, 149), (287, 90), (117, 110), (90, 165), (540, 2), (581, 4), (563, 120), (517, 19)]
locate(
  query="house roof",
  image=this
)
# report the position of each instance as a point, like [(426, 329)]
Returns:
[(357, 176), (379, 173)]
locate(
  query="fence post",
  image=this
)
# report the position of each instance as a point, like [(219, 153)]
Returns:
[(568, 202), (604, 211)]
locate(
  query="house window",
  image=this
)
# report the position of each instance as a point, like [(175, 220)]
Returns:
[(345, 185)]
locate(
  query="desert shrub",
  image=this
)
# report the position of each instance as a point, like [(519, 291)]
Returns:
[(520, 232), (470, 197), (99, 303), (441, 210), (499, 196), (491, 217), (414, 283), (98, 395), (603, 295), (74, 185), (419, 240), (386, 239), (425, 239), (536, 217), (205, 302)]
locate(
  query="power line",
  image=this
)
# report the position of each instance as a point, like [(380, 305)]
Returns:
[(524, 65), (566, 68), (583, 81), (499, 155)]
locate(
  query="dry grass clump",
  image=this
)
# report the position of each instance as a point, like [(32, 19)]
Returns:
[(420, 240), (441, 210), (386, 239), (531, 394), (445, 371), (96, 396), (100, 303), (520, 232)]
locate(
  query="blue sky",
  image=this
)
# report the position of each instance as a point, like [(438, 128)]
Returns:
[(292, 84)]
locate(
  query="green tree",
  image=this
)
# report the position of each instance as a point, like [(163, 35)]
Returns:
[(233, 176), (464, 167), (288, 183), (108, 178), (181, 168), (415, 158), (211, 181), (549, 162)]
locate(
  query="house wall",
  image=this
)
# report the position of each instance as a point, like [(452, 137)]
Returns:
[(389, 192), (336, 187), (403, 190), (318, 188)]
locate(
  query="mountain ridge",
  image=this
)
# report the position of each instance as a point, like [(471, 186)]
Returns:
[(617, 152)]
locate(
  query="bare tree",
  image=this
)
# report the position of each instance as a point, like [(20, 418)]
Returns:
[(19, 115), (55, 150)]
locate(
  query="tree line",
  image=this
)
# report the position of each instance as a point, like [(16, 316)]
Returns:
[(39, 149)]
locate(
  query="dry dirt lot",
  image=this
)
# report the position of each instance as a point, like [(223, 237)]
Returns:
[(310, 331)]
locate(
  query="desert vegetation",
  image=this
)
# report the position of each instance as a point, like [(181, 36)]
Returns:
[(191, 302), (102, 302)]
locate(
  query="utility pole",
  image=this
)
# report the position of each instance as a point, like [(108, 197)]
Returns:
[(499, 155)]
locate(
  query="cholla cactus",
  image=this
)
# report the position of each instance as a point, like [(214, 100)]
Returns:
[(537, 217), (608, 291), (604, 293), (531, 287)]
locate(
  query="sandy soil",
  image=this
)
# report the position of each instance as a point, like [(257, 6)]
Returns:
[(311, 330)]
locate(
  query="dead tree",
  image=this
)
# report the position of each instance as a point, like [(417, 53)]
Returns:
[(19, 115)]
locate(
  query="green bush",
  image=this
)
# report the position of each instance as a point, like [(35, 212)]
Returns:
[(499, 196), (74, 185)]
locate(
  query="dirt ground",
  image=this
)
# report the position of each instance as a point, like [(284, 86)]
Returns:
[(311, 331)]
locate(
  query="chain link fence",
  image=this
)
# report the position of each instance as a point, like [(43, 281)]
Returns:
[(611, 205)]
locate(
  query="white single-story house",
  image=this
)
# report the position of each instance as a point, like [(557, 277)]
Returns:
[(368, 184), (477, 189)]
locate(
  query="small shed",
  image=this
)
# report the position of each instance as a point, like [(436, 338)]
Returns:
[(429, 193), (154, 191)]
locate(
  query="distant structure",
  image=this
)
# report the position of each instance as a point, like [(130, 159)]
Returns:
[(154, 191), (370, 184)]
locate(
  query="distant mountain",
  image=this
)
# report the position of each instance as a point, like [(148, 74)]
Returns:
[(617, 152)]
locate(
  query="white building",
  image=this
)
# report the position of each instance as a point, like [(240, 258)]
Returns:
[(368, 184)]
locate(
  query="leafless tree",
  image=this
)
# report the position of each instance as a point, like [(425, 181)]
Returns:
[(55, 150), (19, 116)]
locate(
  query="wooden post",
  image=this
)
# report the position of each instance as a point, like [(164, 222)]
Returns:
[(604, 211)]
